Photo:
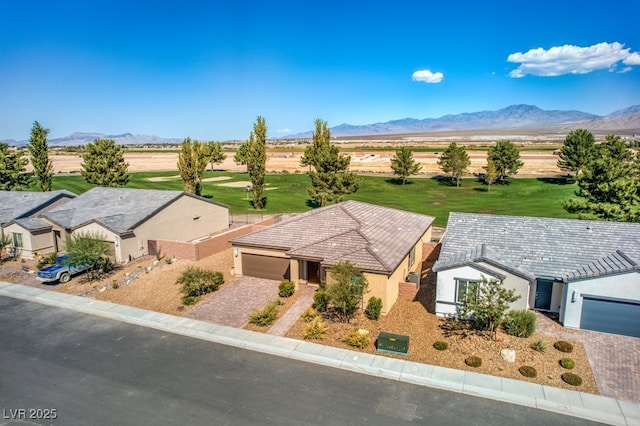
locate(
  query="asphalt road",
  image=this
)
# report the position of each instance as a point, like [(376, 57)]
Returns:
[(88, 370)]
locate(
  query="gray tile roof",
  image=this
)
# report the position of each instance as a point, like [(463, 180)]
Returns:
[(117, 209), (373, 238), (32, 223), (20, 204), (560, 249)]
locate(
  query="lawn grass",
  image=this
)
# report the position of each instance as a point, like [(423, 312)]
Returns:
[(520, 197)]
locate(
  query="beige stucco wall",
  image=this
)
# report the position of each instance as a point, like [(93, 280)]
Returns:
[(40, 242)]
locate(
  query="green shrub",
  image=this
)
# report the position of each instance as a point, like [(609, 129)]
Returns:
[(320, 301), (539, 346), (563, 346), (309, 315), (190, 300), (198, 282), (286, 289), (473, 361), (374, 308), (315, 330), (528, 371), (265, 316), (357, 339), (572, 379), (440, 345), (568, 363), (521, 323)]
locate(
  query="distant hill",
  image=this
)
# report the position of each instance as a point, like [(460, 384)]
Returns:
[(83, 138), (511, 117)]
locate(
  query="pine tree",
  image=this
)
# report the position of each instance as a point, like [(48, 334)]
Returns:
[(403, 164), (608, 187), (104, 164), (506, 157), (579, 149), (329, 176), (191, 165), (454, 160), (256, 160), (39, 150), (13, 175)]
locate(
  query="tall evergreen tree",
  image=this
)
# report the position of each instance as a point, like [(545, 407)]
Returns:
[(506, 158), (454, 160), (191, 165), (403, 164), (13, 175), (256, 160), (579, 149), (39, 150), (608, 188), (330, 178), (104, 164)]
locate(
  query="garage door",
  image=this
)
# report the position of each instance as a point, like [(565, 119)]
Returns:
[(273, 268), (617, 316)]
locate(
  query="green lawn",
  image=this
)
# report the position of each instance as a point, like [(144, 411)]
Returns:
[(287, 193)]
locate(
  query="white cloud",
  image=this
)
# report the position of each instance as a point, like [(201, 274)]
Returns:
[(285, 130), (427, 76), (569, 59)]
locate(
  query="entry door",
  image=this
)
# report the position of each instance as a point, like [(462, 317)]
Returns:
[(544, 289), (313, 272)]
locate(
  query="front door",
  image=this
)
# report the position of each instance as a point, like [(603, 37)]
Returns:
[(544, 289), (313, 272)]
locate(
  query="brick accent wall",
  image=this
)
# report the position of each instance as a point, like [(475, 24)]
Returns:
[(200, 250)]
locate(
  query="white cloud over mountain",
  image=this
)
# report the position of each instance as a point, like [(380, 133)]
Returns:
[(427, 76), (569, 59)]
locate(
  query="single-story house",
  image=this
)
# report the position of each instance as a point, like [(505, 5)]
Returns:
[(385, 243), (586, 271), (129, 218), (19, 211)]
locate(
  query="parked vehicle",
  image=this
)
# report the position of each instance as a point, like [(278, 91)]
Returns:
[(61, 271)]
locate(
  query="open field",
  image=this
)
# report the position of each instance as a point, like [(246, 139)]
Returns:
[(287, 193)]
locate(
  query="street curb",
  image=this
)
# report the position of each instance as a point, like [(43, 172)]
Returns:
[(577, 404)]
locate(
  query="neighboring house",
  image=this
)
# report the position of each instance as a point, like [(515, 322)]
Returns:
[(385, 243), (129, 218), (586, 271), (19, 211)]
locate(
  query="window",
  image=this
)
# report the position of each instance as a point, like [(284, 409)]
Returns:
[(463, 287), (412, 256), (17, 240)]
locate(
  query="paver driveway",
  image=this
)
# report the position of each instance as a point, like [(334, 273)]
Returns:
[(614, 359), (232, 304)]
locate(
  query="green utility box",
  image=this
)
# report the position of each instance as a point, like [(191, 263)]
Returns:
[(393, 343)]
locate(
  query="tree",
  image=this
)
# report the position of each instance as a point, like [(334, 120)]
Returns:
[(403, 164), (608, 187), (89, 249), (486, 302), (191, 165), (13, 175), (346, 293), (491, 174), (240, 156), (104, 164), (454, 160), (39, 150), (213, 153), (330, 178), (256, 160), (579, 149), (506, 157), (5, 241)]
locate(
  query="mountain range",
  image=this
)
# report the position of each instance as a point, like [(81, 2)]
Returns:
[(511, 117)]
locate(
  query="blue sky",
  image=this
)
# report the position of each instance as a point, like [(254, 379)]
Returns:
[(206, 69)]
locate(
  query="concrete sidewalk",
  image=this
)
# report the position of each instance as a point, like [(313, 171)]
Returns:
[(572, 403)]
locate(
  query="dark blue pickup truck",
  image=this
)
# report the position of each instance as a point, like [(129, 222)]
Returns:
[(61, 271)]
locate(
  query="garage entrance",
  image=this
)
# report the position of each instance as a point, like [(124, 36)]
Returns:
[(616, 316), (269, 267)]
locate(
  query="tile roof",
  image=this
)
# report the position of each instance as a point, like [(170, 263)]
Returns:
[(32, 223), (560, 249), (19, 204), (117, 209), (373, 238)]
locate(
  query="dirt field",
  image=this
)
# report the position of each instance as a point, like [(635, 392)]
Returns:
[(535, 162)]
